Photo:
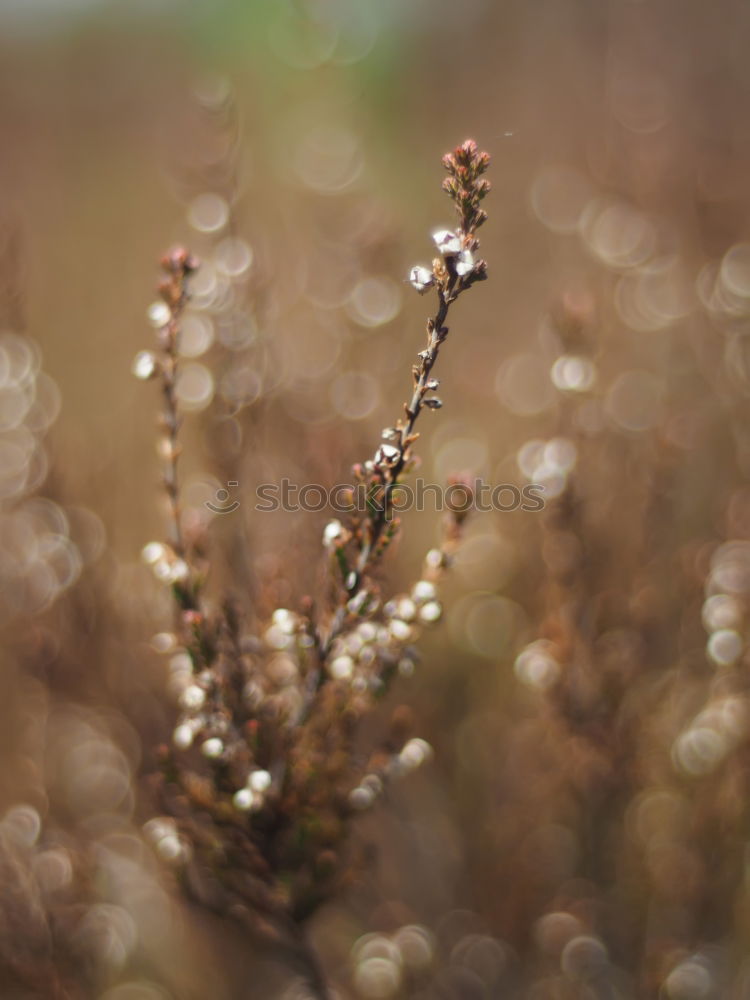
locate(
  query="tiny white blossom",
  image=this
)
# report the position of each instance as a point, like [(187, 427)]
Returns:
[(332, 533), (243, 799), (159, 827), (414, 753), (179, 570), (152, 553), (278, 638), (342, 667), (361, 798), (434, 558), (145, 365), (399, 630), (159, 314), (367, 631), (373, 782), (464, 263), (170, 848), (447, 242), (192, 697), (212, 748), (430, 612), (406, 609), (387, 453), (285, 620), (424, 590), (259, 781), (421, 278), (162, 570), (182, 737)]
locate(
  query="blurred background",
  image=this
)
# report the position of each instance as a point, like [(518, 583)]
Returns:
[(582, 829)]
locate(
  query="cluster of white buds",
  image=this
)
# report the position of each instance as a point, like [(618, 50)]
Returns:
[(366, 792), (162, 832), (451, 245), (284, 631), (252, 796), (165, 564), (421, 608), (357, 654)]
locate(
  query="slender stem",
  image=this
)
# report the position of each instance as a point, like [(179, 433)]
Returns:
[(437, 334), (172, 423)]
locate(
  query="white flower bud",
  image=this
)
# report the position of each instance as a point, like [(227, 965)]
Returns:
[(414, 753), (159, 314), (406, 609), (342, 667), (145, 365), (447, 242), (182, 737), (387, 453), (179, 571), (424, 590), (399, 630), (464, 263), (243, 800), (361, 798), (162, 570), (153, 552), (285, 620), (421, 278), (332, 533), (192, 697), (259, 781), (430, 612), (170, 848), (367, 632), (212, 748)]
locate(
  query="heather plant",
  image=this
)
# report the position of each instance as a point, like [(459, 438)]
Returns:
[(583, 835), (267, 767)]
